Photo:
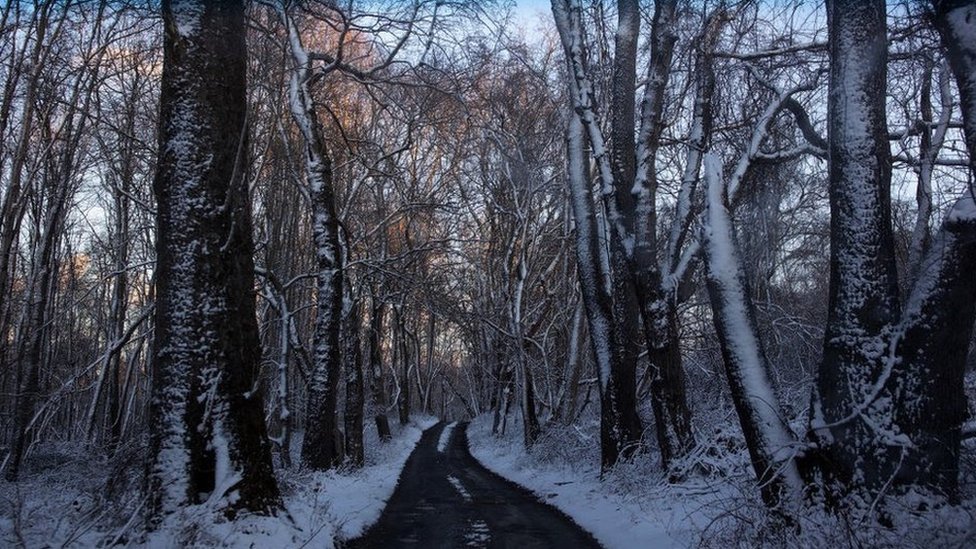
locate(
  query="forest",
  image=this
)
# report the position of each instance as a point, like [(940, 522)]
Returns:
[(375, 273)]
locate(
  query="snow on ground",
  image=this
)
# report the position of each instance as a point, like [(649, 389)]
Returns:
[(66, 504), (445, 437), (618, 513), (456, 483), (716, 506), (357, 498), (58, 502)]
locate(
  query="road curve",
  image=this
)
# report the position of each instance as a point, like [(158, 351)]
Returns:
[(445, 498)]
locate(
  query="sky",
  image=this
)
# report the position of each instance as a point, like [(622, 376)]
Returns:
[(529, 10)]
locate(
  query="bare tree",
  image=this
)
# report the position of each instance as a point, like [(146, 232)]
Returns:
[(319, 449)]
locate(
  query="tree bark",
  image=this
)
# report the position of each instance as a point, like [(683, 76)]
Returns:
[(669, 399), (853, 455), (932, 340), (377, 382), (403, 398), (955, 21), (930, 347), (321, 445), (610, 281), (597, 299), (770, 441), (209, 435), (353, 361)]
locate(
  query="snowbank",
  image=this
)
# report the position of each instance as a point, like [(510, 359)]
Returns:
[(356, 499), (716, 507), (66, 505), (632, 507)]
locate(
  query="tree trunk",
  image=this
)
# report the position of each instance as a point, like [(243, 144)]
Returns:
[(932, 340), (570, 393), (403, 398), (530, 420), (628, 180), (930, 142), (284, 390), (424, 387), (853, 454), (592, 270), (500, 375), (353, 361), (955, 20), (929, 361), (320, 447), (208, 434), (377, 381)]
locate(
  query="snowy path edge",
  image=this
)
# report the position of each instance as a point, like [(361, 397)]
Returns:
[(582, 501), (357, 500)]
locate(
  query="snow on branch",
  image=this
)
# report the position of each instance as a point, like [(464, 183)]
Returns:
[(567, 15), (809, 47), (784, 101)]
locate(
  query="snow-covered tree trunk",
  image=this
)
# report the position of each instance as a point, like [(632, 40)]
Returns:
[(209, 439), (850, 430), (956, 22), (597, 297), (677, 261), (658, 306), (644, 308), (320, 447), (284, 390), (680, 254), (621, 428), (620, 204), (928, 355), (771, 443), (930, 344)]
